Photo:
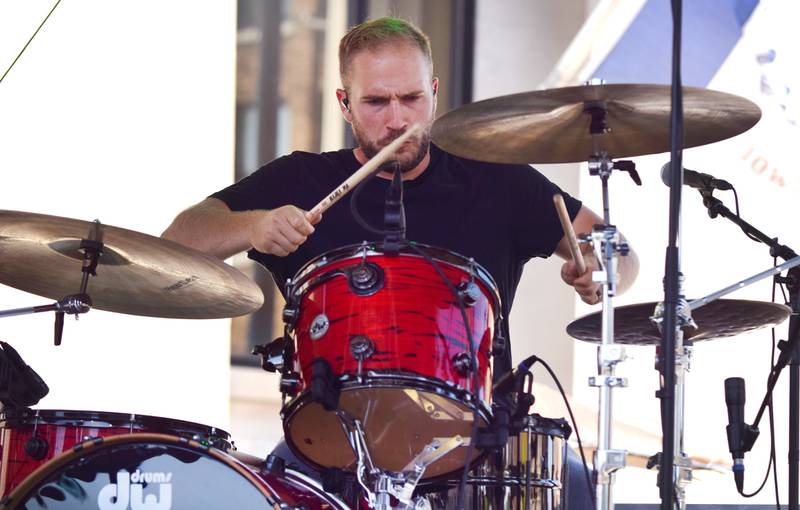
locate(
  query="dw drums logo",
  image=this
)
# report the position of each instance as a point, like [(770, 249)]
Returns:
[(127, 492)]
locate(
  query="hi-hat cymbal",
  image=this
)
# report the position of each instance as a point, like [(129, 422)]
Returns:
[(718, 319), (551, 126), (137, 274)]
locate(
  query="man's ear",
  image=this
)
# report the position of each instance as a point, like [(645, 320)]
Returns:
[(344, 104), (435, 90)]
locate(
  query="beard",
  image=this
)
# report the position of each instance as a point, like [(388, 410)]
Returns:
[(408, 159)]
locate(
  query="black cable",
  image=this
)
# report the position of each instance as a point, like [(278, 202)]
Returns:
[(29, 41), (354, 201), (736, 200), (574, 424), (772, 466), (770, 408)]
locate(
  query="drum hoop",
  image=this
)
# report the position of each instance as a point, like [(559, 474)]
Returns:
[(394, 380), (32, 481), (510, 481), (316, 486), (302, 280), (105, 419)]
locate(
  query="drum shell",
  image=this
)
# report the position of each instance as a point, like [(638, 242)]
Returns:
[(413, 320), (529, 473), (61, 430), (168, 472)]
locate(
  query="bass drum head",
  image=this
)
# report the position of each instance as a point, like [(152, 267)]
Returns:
[(156, 472)]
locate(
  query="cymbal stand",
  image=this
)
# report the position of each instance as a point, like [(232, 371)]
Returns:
[(74, 304), (682, 464), (606, 243)]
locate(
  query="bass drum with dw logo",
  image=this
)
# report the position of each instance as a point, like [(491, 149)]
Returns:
[(160, 472)]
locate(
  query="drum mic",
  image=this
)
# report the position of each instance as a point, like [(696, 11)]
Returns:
[(394, 218), (734, 399), (509, 381), (695, 180)]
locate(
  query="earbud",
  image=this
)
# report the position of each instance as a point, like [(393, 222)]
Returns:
[(346, 103)]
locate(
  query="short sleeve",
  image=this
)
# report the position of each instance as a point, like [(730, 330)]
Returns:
[(267, 188), (538, 229)]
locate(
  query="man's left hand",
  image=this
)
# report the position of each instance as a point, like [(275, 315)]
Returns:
[(588, 290)]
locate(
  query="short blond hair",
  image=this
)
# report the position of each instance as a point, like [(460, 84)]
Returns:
[(376, 32)]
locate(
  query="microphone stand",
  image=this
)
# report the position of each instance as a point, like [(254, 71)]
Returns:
[(672, 336), (790, 349)]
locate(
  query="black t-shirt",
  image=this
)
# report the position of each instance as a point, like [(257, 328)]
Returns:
[(500, 215)]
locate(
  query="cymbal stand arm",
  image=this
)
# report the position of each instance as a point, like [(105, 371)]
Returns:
[(697, 303)]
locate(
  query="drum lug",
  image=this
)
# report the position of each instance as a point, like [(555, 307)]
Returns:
[(469, 292), (462, 363), (36, 448), (365, 279), (361, 347)]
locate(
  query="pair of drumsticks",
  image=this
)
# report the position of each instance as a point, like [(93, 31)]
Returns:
[(384, 154)]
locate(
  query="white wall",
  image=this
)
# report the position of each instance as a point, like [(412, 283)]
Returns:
[(122, 111)]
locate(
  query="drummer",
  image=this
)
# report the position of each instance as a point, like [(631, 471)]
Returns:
[(501, 215)]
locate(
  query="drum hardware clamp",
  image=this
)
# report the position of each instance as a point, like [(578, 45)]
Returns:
[(361, 348)]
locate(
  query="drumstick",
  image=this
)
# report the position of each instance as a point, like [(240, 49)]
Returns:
[(563, 215), (369, 167)]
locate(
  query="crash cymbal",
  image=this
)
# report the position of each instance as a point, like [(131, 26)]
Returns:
[(550, 126), (137, 274), (718, 319)]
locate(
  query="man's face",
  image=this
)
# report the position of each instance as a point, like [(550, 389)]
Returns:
[(391, 89)]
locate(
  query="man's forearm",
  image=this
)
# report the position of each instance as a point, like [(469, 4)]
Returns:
[(212, 228)]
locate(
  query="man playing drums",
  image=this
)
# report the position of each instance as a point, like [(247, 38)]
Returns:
[(500, 215)]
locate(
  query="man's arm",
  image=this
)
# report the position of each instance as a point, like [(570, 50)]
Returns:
[(627, 266), (211, 227)]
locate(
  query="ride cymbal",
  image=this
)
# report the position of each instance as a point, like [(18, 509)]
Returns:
[(552, 126), (718, 319), (137, 274)]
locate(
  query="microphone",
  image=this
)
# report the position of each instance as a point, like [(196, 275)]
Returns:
[(734, 399), (695, 180), (394, 217), (511, 379)]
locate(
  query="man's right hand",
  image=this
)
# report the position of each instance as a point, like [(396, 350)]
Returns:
[(214, 229), (281, 231)]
